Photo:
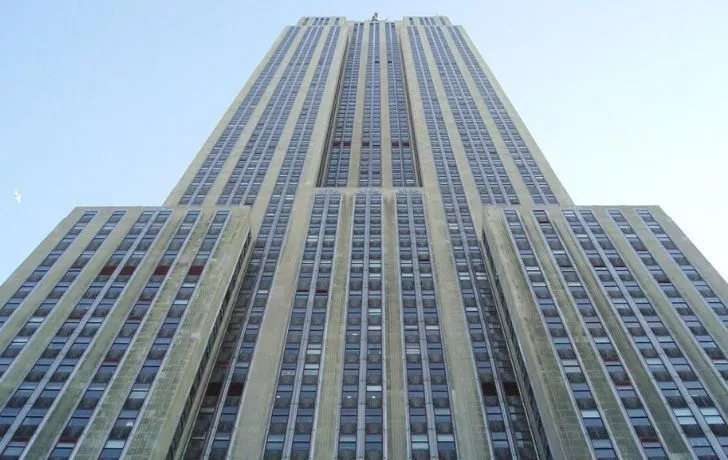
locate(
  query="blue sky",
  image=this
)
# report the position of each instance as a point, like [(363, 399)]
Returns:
[(105, 103)]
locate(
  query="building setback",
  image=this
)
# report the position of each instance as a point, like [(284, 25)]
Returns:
[(369, 258)]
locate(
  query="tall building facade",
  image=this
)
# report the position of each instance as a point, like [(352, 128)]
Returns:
[(369, 258)]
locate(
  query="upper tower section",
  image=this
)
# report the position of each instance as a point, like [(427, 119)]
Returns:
[(396, 91)]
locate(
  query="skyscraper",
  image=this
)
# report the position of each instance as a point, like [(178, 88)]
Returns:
[(369, 258)]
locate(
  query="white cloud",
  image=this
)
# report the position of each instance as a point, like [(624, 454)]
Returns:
[(18, 197)]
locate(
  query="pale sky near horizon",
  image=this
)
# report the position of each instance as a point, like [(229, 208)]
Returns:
[(106, 103)]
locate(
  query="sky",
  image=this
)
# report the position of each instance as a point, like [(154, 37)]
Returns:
[(106, 103)]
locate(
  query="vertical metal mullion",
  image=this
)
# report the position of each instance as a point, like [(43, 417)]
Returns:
[(364, 342)]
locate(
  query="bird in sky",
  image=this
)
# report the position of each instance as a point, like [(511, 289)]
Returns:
[(18, 197)]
